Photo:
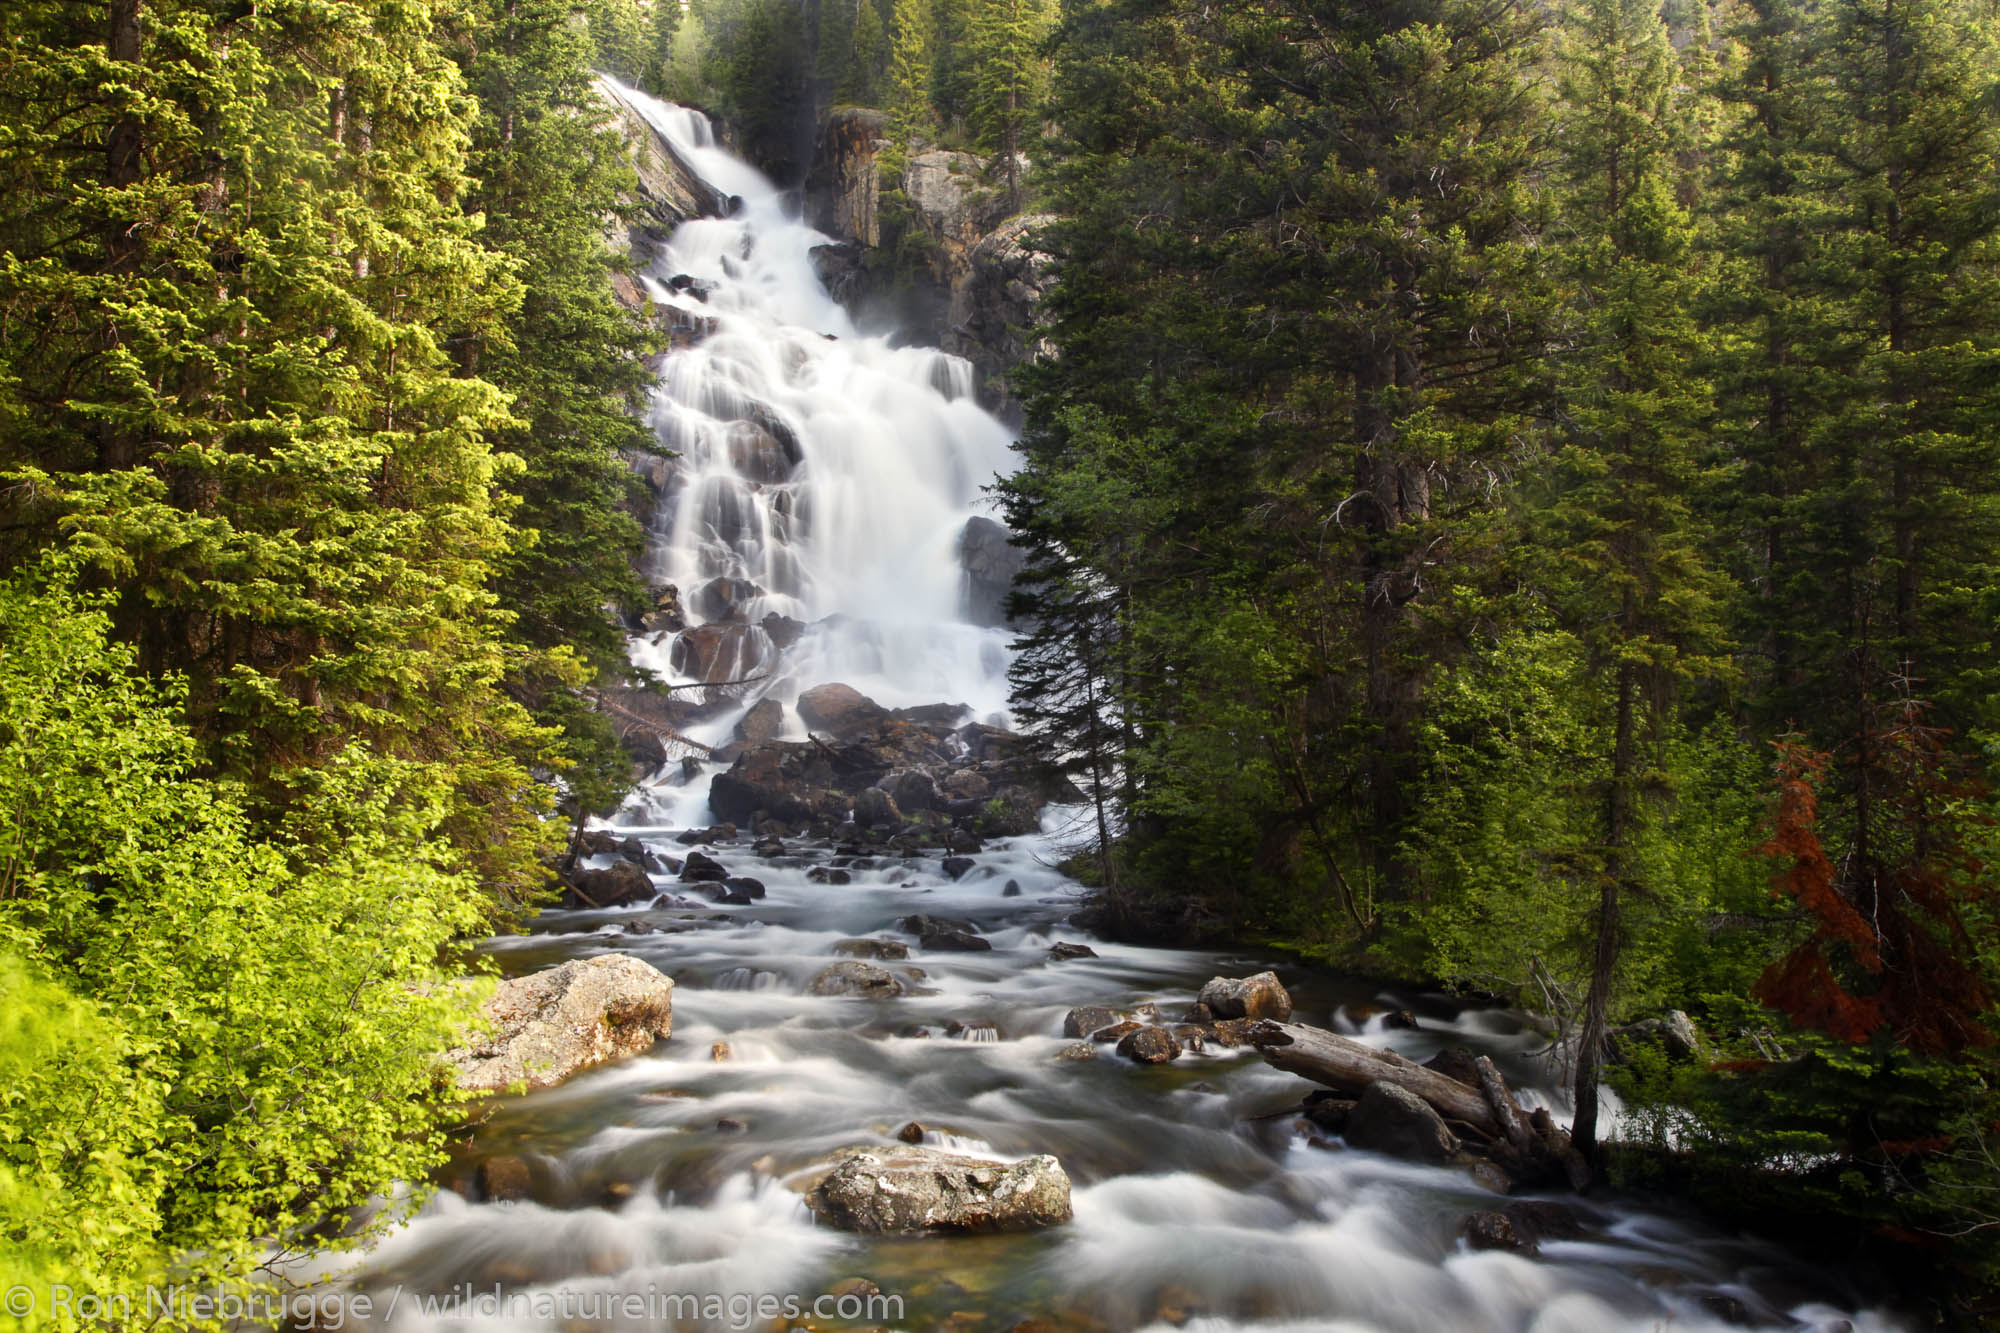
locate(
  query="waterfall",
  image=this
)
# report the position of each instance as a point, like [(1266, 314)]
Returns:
[(823, 476)]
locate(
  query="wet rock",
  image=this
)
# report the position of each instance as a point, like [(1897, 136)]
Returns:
[(638, 928), (1012, 889), (1083, 1021), (1328, 1110), (504, 1179), (882, 950), (875, 808), (957, 867), (912, 790), (552, 1024), (990, 563), (719, 1051), (721, 652), (1199, 1013), (1116, 1032), (1259, 996), (1393, 1120), (1496, 1231), (1149, 1046), (743, 884), (856, 978), (943, 934), (1401, 1020), (1080, 1050), (724, 598), (912, 1190), (703, 869), (966, 785), (730, 1124), (763, 722), (840, 710), (911, 1133), (828, 875), (1191, 1036), (1062, 951), (1545, 1219), (618, 885), (962, 842), (1455, 1062)]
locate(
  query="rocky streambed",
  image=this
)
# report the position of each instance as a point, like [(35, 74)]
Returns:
[(1045, 1169)]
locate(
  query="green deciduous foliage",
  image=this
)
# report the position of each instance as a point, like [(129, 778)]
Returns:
[(228, 1041)]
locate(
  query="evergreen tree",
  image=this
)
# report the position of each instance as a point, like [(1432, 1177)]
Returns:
[(909, 69), (1008, 78), (1631, 575)]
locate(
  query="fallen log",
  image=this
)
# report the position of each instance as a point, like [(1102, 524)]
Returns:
[(1348, 1067), (1529, 1148)]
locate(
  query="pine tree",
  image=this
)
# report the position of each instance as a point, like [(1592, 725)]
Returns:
[(1627, 545), (1008, 78), (909, 70)]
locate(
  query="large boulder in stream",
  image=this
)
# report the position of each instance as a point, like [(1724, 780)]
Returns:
[(841, 711), (1396, 1121), (856, 978), (552, 1024), (1261, 996), (912, 1190)]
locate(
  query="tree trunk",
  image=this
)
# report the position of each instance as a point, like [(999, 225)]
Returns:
[(1597, 1007)]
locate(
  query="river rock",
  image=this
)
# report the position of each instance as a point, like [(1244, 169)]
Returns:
[(1089, 1018), (856, 978), (910, 1190), (1149, 1046), (1392, 1120), (890, 951), (554, 1023), (841, 710), (957, 867), (1455, 1062), (828, 875), (1259, 996), (912, 790), (504, 1179), (1062, 951), (1496, 1231), (1077, 1050), (619, 884), (942, 934), (702, 868)]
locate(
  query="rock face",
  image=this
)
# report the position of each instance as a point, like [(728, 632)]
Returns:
[(990, 563), (1261, 996), (912, 1190), (1396, 1121), (669, 193), (553, 1024)]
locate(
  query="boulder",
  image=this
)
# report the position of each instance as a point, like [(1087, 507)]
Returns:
[(942, 934), (912, 791), (715, 654), (875, 808), (1062, 951), (1149, 1046), (1260, 996), (990, 563), (552, 1024), (909, 1190), (1081, 1022), (840, 710), (1677, 1031), (957, 867), (703, 869), (791, 781), (723, 598), (618, 885), (1393, 1120), (855, 978)]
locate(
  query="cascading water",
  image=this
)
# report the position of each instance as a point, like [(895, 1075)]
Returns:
[(830, 476), (823, 478)]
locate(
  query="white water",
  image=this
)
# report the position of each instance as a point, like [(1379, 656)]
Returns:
[(858, 536), (1199, 1202)]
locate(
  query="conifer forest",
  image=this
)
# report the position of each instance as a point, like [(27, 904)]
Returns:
[(1006, 666)]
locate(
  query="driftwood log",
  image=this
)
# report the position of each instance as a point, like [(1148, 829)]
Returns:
[(1530, 1148)]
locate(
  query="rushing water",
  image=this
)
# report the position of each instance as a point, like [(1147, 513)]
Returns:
[(1198, 1201)]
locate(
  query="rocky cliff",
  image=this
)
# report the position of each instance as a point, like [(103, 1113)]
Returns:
[(934, 249)]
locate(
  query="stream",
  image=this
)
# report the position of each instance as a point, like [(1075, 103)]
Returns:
[(1199, 1202)]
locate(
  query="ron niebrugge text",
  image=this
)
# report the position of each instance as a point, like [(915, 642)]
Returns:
[(334, 1310)]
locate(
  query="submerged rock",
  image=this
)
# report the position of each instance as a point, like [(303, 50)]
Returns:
[(943, 934), (1260, 996), (912, 1190), (556, 1023), (852, 978)]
